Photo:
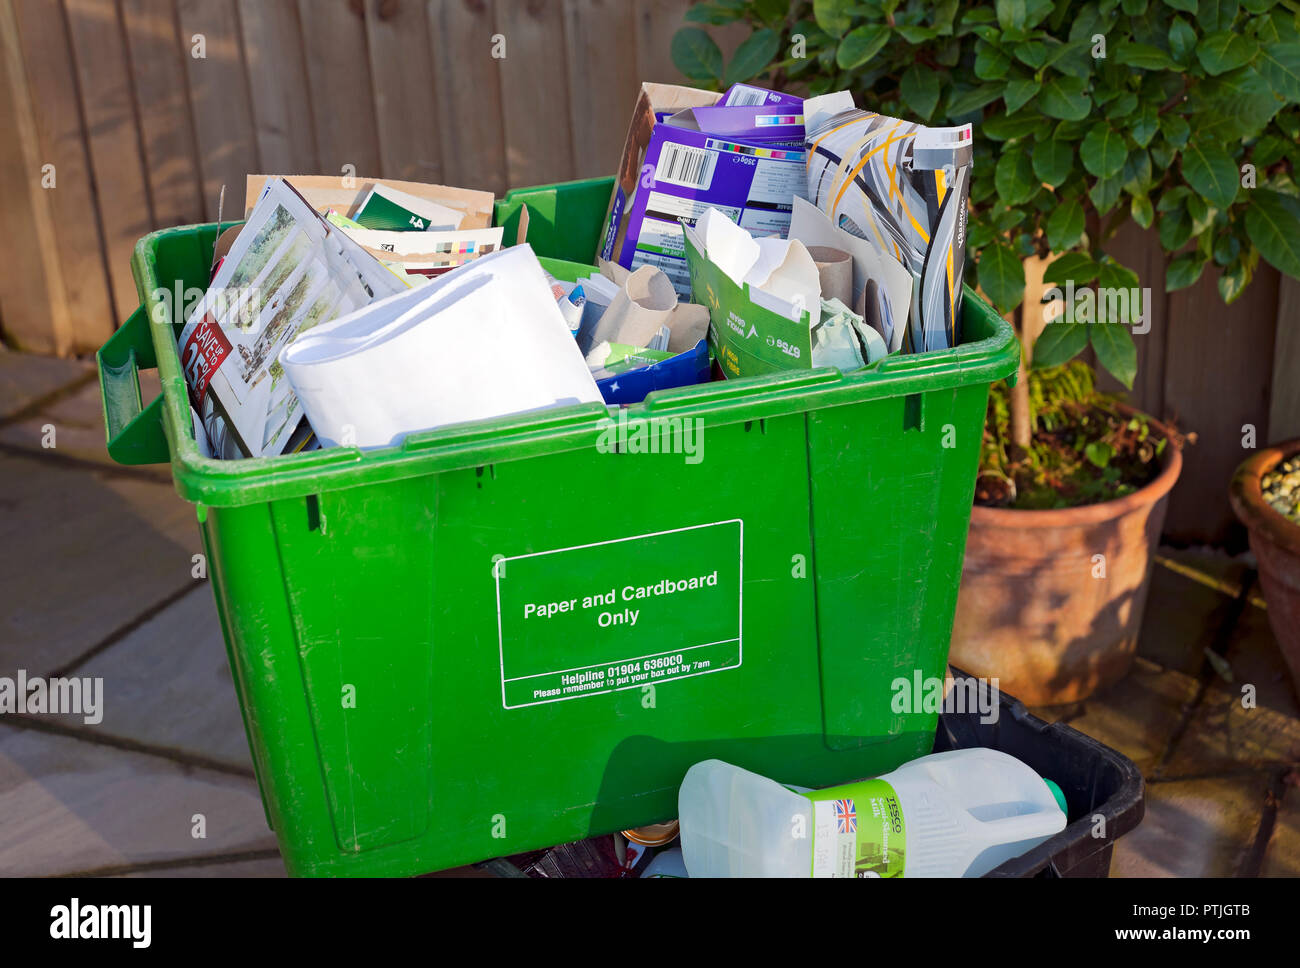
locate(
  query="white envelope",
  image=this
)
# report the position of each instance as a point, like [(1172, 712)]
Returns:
[(484, 340)]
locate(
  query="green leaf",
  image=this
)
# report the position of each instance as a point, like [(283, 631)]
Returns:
[(1065, 226), (1053, 161), (1122, 106), (1182, 40), (1112, 275), (771, 12), (1226, 248), (1146, 125), (696, 55), (1210, 171), (708, 13), (1099, 453), (1039, 53), (1175, 227), (1064, 98), (1000, 127), (1216, 14), (752, 56), (1176, 129), (860, 45), (1280, 66), (1077, 266), (1144, 56), (1273, 225), (1014, 175), (1105, 193), (919, 88), (1233, 282), (916, 34), (1059, 343), (1141, 210), (833, 16), (1012, 14), (974, 98), (1113, 344), (1184, 270), (1136, 176), (1018, 93), (991, 61), (1188, 6), (1234, 105), (1103, 150), (1225, 51), (1002, 276)]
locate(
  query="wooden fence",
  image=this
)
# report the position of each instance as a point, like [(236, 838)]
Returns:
[(127, 115)]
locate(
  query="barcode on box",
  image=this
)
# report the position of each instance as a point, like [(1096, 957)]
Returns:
[(684, 165), (745, 97)]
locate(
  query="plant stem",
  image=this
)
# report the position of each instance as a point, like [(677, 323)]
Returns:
[(1022, 424)]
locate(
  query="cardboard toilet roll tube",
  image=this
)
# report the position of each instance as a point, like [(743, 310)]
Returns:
[(644, 304), (835, 271)]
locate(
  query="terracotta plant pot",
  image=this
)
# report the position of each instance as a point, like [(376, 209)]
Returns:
[(1276, 544), (1039, 612)]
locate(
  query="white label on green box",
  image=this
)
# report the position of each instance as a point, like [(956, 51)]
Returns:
[(622, 614)]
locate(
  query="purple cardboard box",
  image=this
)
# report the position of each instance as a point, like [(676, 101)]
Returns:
[(745, 160)]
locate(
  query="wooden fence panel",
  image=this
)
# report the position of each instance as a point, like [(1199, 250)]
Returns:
[(277, 79), (219, 98), (469, 93), (33, 307), (1218, 370), (603, 81), (338, 72), (1284, 407), (107, 101), (406, 101), (535, 88), (166, 130), (61, 141)]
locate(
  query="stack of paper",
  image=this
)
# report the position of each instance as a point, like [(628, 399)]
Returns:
[(484, 341)]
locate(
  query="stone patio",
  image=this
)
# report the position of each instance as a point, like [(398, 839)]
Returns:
[(97, 582)]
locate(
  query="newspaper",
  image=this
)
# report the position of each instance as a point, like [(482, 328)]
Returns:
[(287, 271)]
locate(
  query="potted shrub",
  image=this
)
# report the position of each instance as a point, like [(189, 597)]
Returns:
[(1181, 115), (1265, 495)]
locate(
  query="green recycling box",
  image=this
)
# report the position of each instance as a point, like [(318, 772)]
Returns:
[(519, 632)]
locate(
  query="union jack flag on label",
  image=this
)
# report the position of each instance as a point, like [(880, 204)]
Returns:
[(846, 817)]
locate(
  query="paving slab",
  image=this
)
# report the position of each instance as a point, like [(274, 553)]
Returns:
[(1282, 858), (92, 550), (68, 806), (167, 683), (1193, 828), (1255, 658), (1210, 565), (74, 425), (1225, 736), (1180, 620), (266, 867), (26, 378), (1138, 716)]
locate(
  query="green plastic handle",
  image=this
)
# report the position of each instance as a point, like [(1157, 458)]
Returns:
[(134, 434)]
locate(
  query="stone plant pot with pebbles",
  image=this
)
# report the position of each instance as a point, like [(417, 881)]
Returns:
[(1265, 495)]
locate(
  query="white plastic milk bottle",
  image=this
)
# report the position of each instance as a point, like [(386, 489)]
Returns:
[(954, 814)]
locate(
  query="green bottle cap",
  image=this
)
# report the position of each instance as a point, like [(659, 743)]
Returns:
[(1060, 797)]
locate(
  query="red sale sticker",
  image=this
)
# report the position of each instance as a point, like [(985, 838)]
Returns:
[(203, 353)]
